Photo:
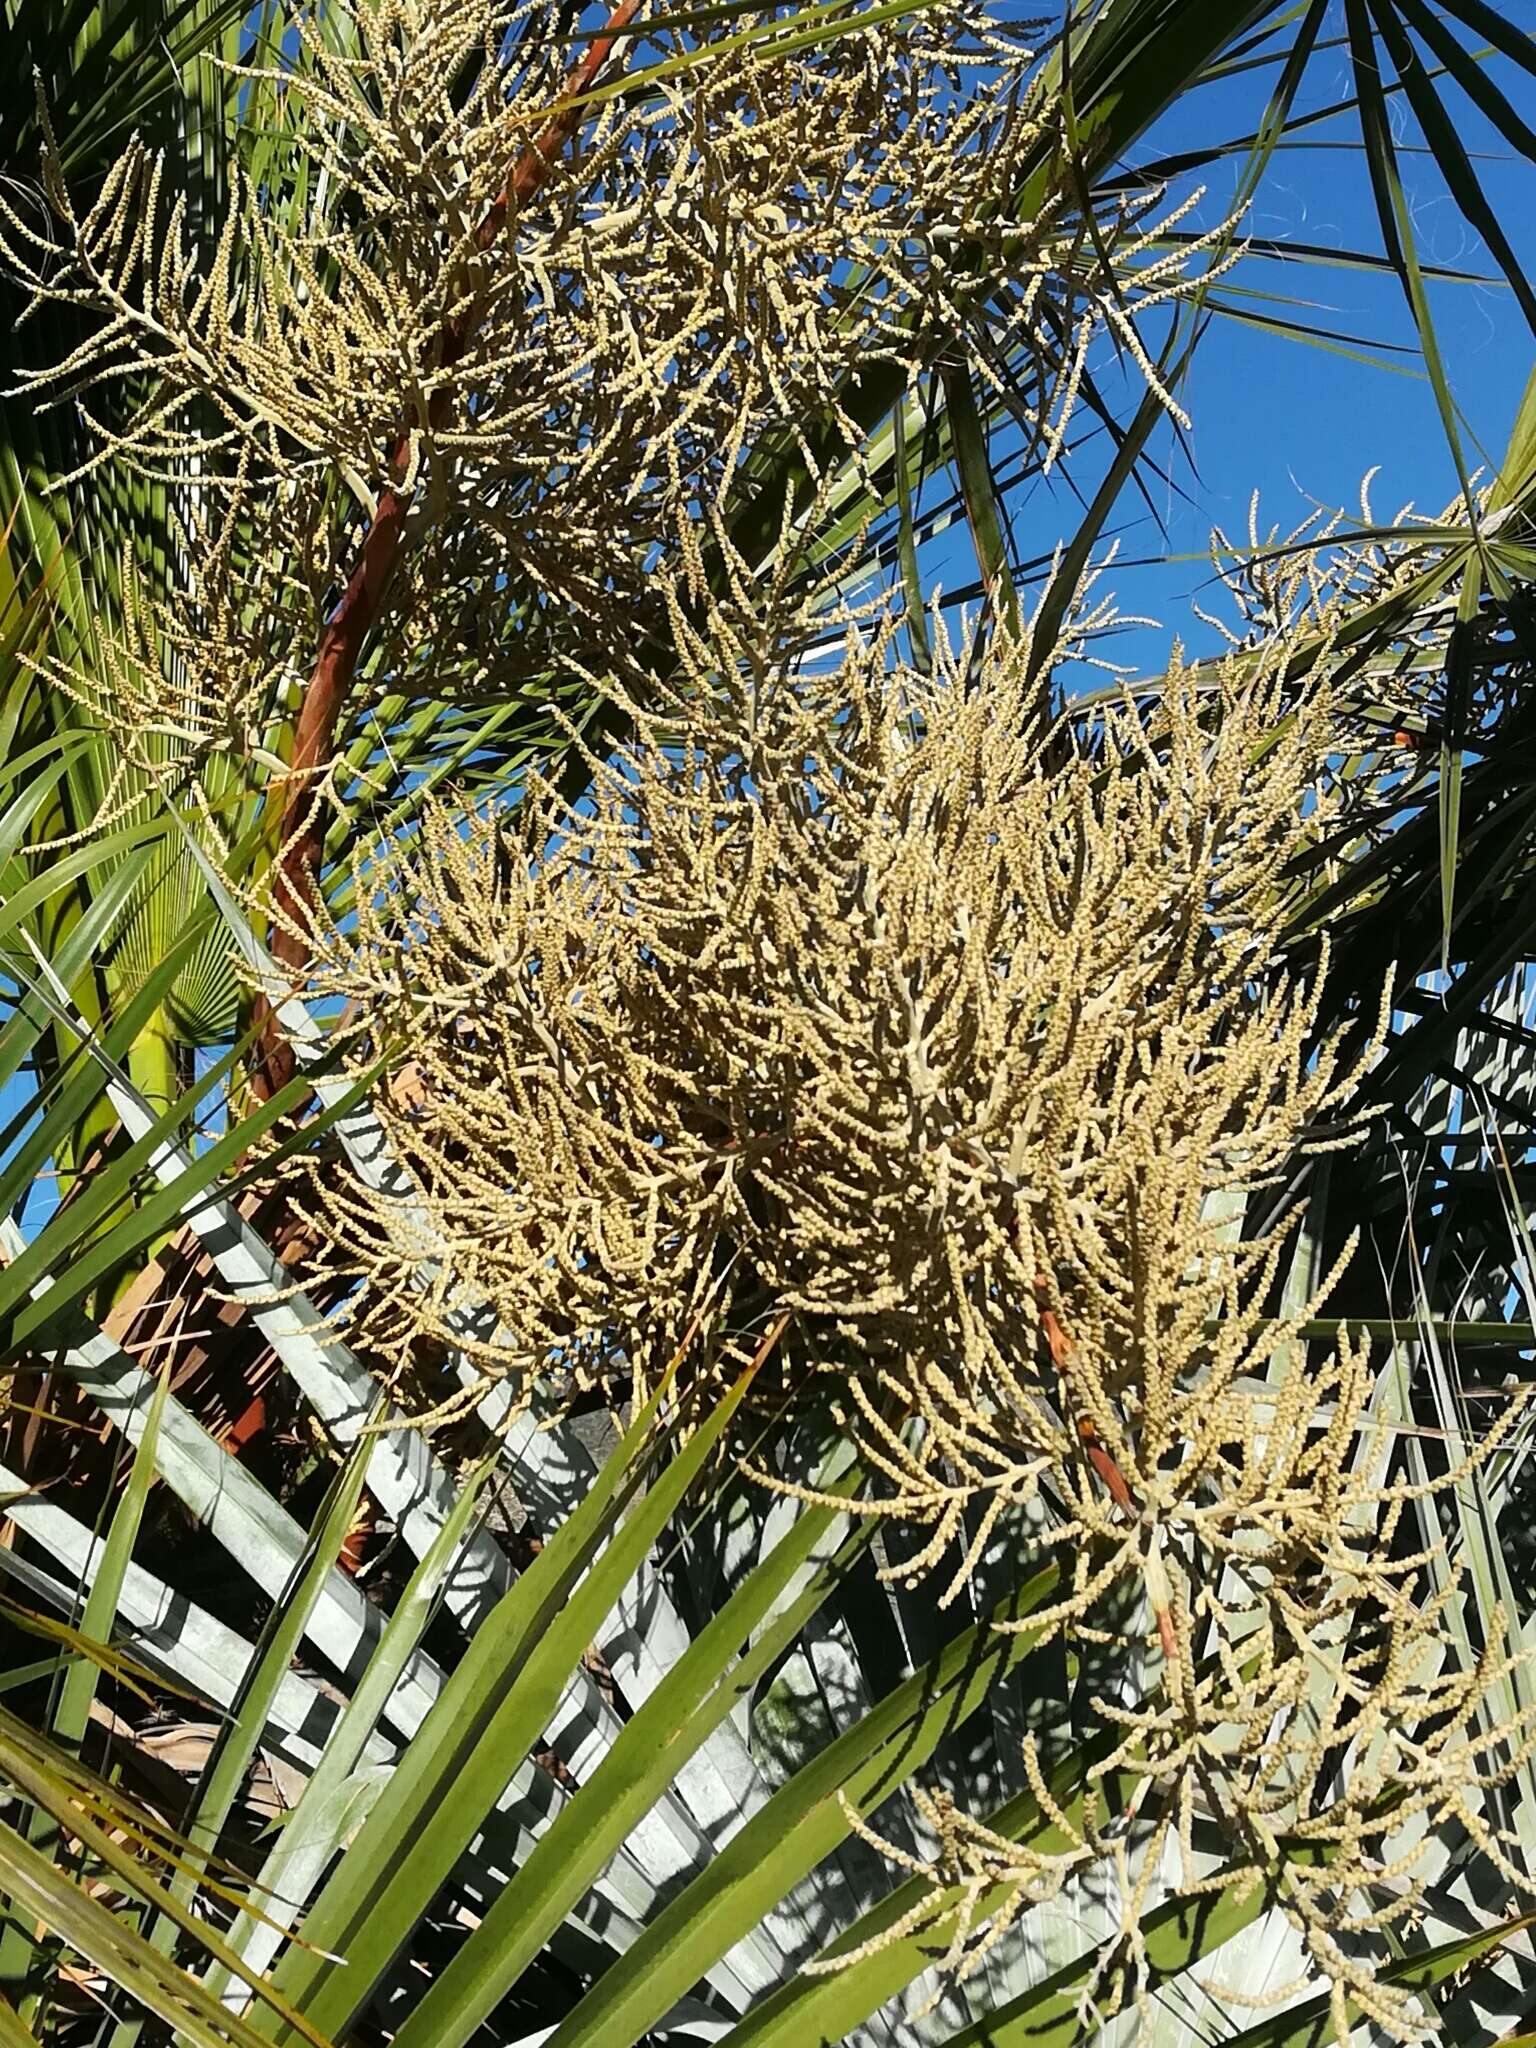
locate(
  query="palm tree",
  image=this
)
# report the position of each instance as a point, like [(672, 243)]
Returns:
[(617, 1790)]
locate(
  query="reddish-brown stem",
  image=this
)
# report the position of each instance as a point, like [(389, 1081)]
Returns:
[(1095, 1449), (302, 833), (1103, 1462)]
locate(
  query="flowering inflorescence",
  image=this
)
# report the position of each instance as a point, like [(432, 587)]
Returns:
[(889, 1000), (553, 343), (945, 1021)]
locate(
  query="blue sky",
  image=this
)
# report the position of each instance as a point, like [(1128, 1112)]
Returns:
[(1300, 425)]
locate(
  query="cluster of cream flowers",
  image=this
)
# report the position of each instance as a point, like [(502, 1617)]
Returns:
[(879, 1000), (550, 345), (934, 1020)]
